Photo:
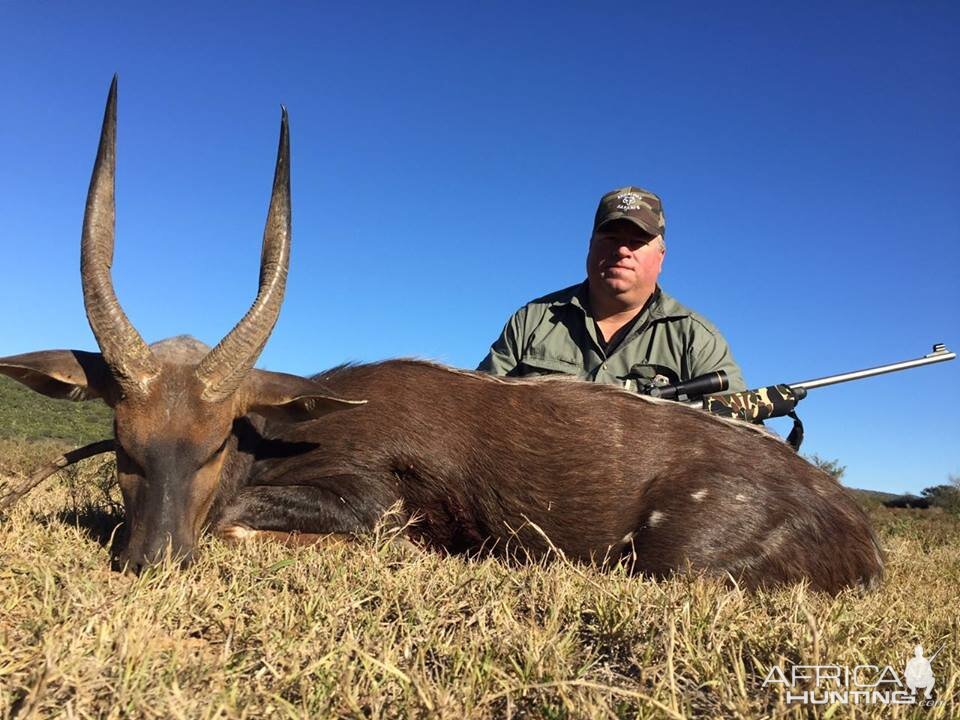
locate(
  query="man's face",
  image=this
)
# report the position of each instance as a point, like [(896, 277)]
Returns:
[(624, 262)]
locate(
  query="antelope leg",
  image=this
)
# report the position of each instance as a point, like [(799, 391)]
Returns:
[(242, 533), (292, 514)]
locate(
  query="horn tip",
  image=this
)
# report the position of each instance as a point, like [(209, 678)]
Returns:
[(111, 110), (284, 129)]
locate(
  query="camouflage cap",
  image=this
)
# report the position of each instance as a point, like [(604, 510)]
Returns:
[(639, 206)]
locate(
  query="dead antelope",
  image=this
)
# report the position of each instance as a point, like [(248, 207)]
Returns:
[(204, 440)]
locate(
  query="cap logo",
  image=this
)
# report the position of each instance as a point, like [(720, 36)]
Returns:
[(631, 201)]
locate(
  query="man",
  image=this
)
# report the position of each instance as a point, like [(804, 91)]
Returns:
[(617, 327)]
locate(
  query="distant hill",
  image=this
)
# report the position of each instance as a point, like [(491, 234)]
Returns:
[(873, 495), (26, 414)]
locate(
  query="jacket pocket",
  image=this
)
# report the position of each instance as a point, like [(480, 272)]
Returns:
[(532, 366)]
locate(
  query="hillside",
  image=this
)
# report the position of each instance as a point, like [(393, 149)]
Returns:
[(873, 496), (26, 414)]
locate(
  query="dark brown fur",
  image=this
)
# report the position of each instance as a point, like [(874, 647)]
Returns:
[(514, 466)]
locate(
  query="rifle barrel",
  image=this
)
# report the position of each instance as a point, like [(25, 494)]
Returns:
[(939, 354)]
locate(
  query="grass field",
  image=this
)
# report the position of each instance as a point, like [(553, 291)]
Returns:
[(26, 414), (380, 630)]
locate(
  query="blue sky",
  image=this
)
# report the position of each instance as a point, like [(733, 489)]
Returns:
[(447, 161)]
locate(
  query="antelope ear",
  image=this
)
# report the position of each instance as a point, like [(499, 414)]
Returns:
[(61, 374), (291, 398)]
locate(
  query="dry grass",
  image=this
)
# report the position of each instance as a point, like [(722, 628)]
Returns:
[(377, 629)]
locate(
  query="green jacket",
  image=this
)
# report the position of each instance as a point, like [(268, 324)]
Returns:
[(556, 334)]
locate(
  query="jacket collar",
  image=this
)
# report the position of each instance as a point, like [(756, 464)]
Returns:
[(661, 307)]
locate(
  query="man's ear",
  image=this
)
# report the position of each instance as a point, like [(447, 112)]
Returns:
[(290, 398), (61, 374)]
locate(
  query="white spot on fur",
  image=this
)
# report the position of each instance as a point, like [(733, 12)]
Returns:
[(656, 517), (699, 495), (776, 538), (741, 497)]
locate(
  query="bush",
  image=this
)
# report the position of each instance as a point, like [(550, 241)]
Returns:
[(945, 496), (830, 467)]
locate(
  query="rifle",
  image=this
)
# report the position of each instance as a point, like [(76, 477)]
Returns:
[(774, 400)]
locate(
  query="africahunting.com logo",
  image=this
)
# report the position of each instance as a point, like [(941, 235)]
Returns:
[(860, 684)]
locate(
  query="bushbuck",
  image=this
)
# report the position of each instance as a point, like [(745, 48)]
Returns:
[(518, 468)]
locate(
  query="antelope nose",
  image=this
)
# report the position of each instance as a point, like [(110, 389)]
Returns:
[(136, 562)]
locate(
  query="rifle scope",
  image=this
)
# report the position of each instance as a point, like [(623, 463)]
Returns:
[(708, 384)]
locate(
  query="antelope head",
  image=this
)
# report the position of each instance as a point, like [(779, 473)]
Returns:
[(175, 403)]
